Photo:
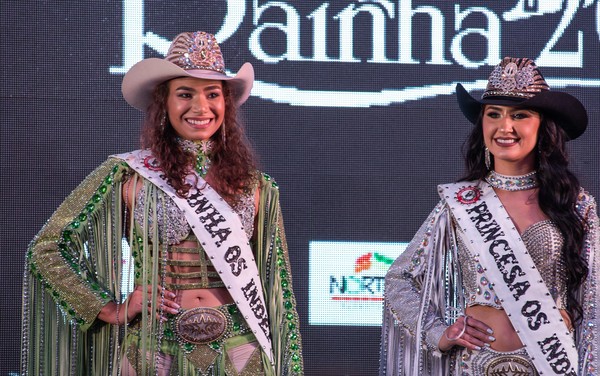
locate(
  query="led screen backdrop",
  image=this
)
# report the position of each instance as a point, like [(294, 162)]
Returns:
[(352, 113)]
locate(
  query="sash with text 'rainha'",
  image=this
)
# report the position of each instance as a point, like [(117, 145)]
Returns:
[(220, 231)]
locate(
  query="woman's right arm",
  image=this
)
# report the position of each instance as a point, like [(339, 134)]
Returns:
[(73, 255), (118, 313)]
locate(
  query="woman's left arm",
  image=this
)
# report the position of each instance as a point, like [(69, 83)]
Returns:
[(587, 332), (272, 258)]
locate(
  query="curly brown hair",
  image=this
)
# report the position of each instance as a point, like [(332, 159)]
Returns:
[(233, 169)]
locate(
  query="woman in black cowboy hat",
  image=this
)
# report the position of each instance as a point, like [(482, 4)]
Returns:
[(501, 279), (170, 260)]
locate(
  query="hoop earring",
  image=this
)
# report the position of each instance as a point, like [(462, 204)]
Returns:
[(488, 161)]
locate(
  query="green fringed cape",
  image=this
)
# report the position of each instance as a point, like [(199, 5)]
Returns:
[(74, 267)]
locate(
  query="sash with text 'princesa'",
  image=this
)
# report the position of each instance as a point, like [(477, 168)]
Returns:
[(495, 241)]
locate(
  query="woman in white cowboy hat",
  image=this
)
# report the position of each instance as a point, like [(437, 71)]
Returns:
[(206, 250), (502, 278)]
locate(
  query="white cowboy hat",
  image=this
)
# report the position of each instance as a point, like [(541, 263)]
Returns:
[(194, 54)]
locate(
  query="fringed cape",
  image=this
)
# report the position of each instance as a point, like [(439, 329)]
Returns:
[(74, 267), (423, 294)]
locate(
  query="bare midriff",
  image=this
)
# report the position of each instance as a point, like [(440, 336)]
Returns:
[(507, 338)]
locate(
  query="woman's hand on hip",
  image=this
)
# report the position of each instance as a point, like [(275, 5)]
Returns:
[(466, 332), (165, 301)]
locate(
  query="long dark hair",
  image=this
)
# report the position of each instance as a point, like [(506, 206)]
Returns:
[(234, 167), (557, 197)]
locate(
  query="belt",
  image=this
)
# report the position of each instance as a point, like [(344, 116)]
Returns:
[(508, 365), (202, 331), (205, 326), (489, 362)]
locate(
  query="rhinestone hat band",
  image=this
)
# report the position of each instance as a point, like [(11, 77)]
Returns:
[(197, 50), (515, 77), (512, 183)]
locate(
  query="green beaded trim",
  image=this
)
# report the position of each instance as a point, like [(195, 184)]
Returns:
[(289, 304), (270, 179), (70, 255)]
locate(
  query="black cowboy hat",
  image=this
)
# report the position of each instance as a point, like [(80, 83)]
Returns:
[(518, 82)]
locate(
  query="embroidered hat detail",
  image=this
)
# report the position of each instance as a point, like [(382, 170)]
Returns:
[(198, 50), (519, 78)]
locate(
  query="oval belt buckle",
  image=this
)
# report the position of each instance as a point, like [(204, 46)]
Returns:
[(510, 365), (201, 325)]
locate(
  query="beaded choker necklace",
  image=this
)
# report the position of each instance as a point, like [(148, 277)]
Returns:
[(202, 151), (512, 183)]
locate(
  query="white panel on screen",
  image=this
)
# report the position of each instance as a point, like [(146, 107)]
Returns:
[(347, 281)]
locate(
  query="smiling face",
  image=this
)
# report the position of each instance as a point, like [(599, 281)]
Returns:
[(511, 135), (196, 107)]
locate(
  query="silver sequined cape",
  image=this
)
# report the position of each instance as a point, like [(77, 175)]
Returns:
[(73, 268), (423, 294)]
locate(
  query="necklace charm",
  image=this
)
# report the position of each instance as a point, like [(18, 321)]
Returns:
[(512, 183), (202, 164), (202, 150)]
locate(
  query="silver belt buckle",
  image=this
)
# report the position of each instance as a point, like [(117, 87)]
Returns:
[(510, 365), (201, 325)]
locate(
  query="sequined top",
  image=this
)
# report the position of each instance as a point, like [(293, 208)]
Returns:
[(544, 241), (174, 228), (187, 267)]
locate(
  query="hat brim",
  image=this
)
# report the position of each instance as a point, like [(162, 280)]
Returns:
[(139, 82), (566, 110)]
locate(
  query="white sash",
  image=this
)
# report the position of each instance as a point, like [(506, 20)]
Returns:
[(515, 279), (223, 238)]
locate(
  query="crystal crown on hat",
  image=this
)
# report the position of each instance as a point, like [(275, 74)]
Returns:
[(515, 77), (197, 50)]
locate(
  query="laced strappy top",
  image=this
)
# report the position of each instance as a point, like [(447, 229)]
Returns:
[(187, 267), (543, 241)]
